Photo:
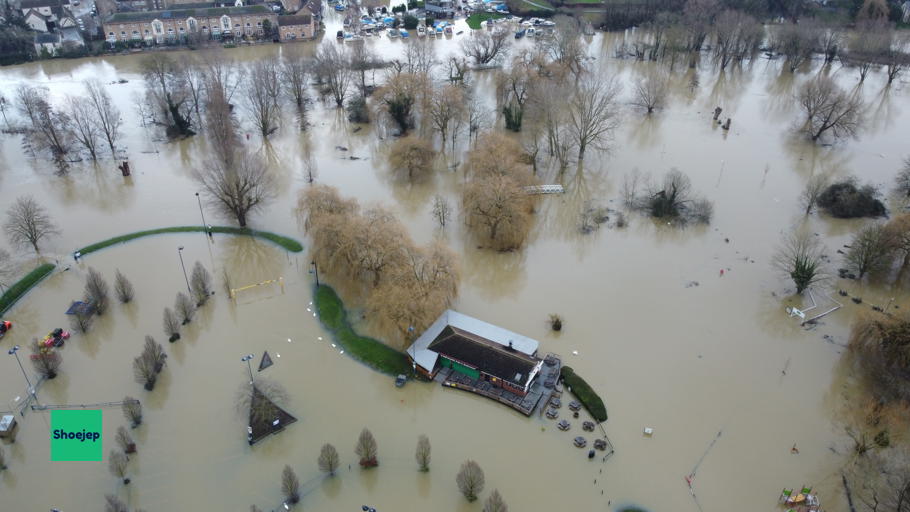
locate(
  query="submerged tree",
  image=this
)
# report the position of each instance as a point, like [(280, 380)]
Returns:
[(144, 372), (106, 114), (201, 284), (412, 156), (442, 210), (123, 287), (593, 114), (366, 449), (117, 463), (132, 410), (49, 127), (114, 504), (238, 186), (97, 290), (46, 360), (84, 129), (185, 308), (333, 71), (814, 189), (263, 94), (495, 503), (81, 321), (171, 325), (650, 92), (800, 258), (870, 250), (167, 90), (290, 486), (125, 440), (328, 459), (484, 47), (470, 480), (154, 352), (423, 453), (828, 108), (27, 223)]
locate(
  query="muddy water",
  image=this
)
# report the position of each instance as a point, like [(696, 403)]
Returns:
[(690, 362)]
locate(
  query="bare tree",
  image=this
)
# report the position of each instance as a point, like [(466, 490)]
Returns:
[(290, 486), (446, 110), (154, 352), (107, 115), (412, 157), (423, 453), (237, 188), (46, 360), (815, 187), (800, 257), (27, 223), (125, 440), (82, 321), (650, 92), (419, 57), (114, 504), (201, 284), (470, 480), (363, 58), (593, 114), (495, 503), (295, 73), (830, 108), (123, 287), (263, 92), (332, 68), (167, 90), (366, 449), (185, 308), (563, 45), (132, 410), (794, 42), (898, 236), (97, 290), (84, 129), (144, 372), (737, 36), (117, 463), (49, 126), (249, 403), (193, 76), (486, 46), (870, 250), (171, 325), (869, 41), (328, 459), (442, 210)]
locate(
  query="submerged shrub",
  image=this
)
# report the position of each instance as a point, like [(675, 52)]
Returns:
[(845, 201)]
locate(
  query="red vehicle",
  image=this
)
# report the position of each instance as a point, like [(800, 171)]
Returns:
[(5, 326)]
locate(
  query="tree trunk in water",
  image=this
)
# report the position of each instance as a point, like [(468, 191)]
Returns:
[(241, 219)]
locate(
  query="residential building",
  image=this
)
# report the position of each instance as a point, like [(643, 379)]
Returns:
[(47, 15), (174, 26), (49, 42), (296, 27), (478, 350), (440, 7)]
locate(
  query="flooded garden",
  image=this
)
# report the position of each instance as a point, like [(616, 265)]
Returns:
[(681, 329)]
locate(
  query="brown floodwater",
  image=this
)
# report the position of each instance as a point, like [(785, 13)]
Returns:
[(688, 361)]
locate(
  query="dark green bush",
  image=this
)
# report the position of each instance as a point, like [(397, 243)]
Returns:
[(845, 201), (587, 396)]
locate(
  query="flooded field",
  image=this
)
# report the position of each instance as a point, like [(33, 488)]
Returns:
[(689, 361)]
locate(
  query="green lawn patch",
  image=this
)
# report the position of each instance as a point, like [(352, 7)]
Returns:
[(531, 4), (16, 291), (286, 242), (372, 352), (585, 394), (475, 19), (584, 2)]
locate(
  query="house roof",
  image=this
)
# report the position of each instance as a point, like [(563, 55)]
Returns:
[(422, 355), (34, 4), (300, 19), (132, 17), (487, 356)]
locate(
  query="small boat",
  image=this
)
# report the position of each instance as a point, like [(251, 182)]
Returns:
[(392, 33), (555, 402), (564, 425), (600, 444), (531, 32), (404, 33), (339, 34), (448, 30), (400, 380), (352, 38), (339, 7), (421, 31), (520, 34), (588, 426), (439, 31), (580, 442), (459, 32)]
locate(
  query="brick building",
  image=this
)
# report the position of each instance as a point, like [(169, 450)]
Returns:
[(175, 26), (297, 27)]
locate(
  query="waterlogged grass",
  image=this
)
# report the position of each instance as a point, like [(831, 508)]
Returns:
[(475, 19), (369, 351), (286, 242), (587, 396), (16, 291)]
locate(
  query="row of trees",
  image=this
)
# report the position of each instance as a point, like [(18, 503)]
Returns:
[(405, 286), (82, 123)]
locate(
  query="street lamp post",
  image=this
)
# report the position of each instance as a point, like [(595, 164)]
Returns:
[(15, 352), (247, 359), (316, 271), (205, 226), (180, 253)]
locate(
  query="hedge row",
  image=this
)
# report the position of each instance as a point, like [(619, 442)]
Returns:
[(16, 291), (587, 396), (286, 242)]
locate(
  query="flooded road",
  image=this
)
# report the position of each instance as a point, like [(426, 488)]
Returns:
[(688, 361)]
